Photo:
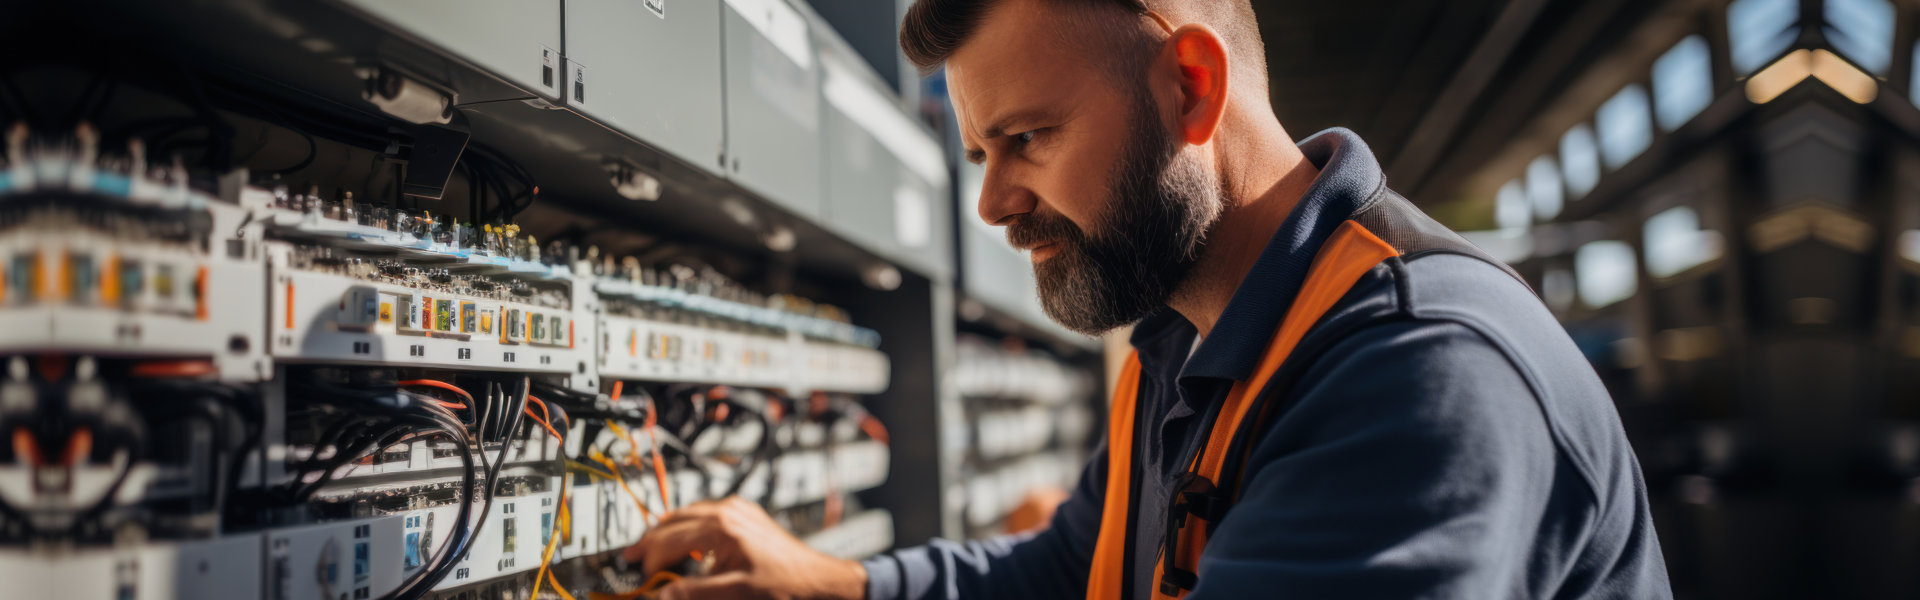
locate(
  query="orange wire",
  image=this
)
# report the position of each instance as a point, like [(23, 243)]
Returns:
[(542, 422), (437, 384), (616, 390), (543, 406), (25, 445), (874, 428), (659, 466), (78, 446), (633, 458), (173, 368), (615, 469)]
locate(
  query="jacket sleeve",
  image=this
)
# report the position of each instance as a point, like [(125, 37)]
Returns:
[(1414, 462), (1051, 564)]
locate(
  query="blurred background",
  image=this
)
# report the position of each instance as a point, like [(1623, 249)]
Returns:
[(1719, 200)]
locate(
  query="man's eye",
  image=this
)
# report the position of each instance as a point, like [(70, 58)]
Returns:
[(1024, 137)]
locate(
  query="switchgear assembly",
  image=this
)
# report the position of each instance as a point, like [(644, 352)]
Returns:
[(371, 300)]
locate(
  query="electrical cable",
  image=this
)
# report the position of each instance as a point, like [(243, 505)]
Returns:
[(398, 416), (613, 468), (432, 383), (633, 456), (560, 512), (419, 589)]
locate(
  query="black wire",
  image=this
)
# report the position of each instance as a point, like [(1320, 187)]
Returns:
[(404, 413), (459, 540), (220, 132), (313, 151), (424, 582), (764, 452)]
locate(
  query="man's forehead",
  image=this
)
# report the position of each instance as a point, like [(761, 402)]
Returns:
[(1023, 51)]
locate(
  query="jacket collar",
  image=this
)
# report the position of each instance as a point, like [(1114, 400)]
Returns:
[(1350, 180)]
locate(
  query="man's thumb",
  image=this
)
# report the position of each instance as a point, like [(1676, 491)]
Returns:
[(716, 587)]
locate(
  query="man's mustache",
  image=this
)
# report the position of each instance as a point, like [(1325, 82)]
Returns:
[(1031, 230)]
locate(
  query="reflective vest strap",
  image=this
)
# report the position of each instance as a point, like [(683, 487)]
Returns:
[(1346, 256), (1104, 581)]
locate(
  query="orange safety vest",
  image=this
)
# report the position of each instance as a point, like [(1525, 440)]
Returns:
[(1347, 255)]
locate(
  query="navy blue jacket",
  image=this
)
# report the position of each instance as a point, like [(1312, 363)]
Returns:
[(1440, 437)]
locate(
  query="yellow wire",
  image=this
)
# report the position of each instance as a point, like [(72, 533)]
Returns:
[(553, 541), (588, 469), (553, 534), (633, 449), (556, 587), (602, 459)]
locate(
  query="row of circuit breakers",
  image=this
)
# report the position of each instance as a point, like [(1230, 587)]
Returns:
[(251, 392)]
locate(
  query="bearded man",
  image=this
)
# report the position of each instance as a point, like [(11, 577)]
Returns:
[(1332, 395)]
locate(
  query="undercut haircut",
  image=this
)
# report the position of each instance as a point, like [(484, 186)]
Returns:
[(934, 29)]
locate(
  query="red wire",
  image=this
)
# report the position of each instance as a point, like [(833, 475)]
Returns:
[(173, 368)]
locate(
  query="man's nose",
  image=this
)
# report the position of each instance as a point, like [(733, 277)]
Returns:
[(1002, 199)]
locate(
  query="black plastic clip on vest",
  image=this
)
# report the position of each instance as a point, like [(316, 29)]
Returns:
[(1196, 496)]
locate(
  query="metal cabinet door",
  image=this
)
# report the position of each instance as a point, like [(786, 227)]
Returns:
[(772, 103), (886, 178), (517, 40), (652, 70)]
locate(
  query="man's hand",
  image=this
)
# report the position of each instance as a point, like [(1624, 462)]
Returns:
[(752, 557)]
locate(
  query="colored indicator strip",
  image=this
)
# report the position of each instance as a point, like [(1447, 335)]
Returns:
[(443, 315)]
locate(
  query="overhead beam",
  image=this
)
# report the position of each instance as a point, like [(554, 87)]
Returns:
[(1430, 137)]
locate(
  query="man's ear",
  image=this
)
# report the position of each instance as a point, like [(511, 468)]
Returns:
[(1202, 59)]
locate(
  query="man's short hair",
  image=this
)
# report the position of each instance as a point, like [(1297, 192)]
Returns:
[(934, 29)]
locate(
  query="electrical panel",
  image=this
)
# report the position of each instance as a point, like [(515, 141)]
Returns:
[(437, 405), (1030, 419), (354, 300)]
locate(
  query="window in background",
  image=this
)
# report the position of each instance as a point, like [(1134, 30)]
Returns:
[(1545, 192), (1862, 30), (1580, 160), (1510, 207), (1625, 126), (1909, 243), (1675, 242), (1760, 30), (1682, 83), (1603, 272), (1914, 93)]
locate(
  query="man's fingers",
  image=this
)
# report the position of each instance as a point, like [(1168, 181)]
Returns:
[(697, 510), (691, 513), (718, 587), (667, 545)]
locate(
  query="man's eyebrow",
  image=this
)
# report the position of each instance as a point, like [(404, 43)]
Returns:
[(999, 128)]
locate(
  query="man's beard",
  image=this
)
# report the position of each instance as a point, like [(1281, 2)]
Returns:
[(1163, 201)]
